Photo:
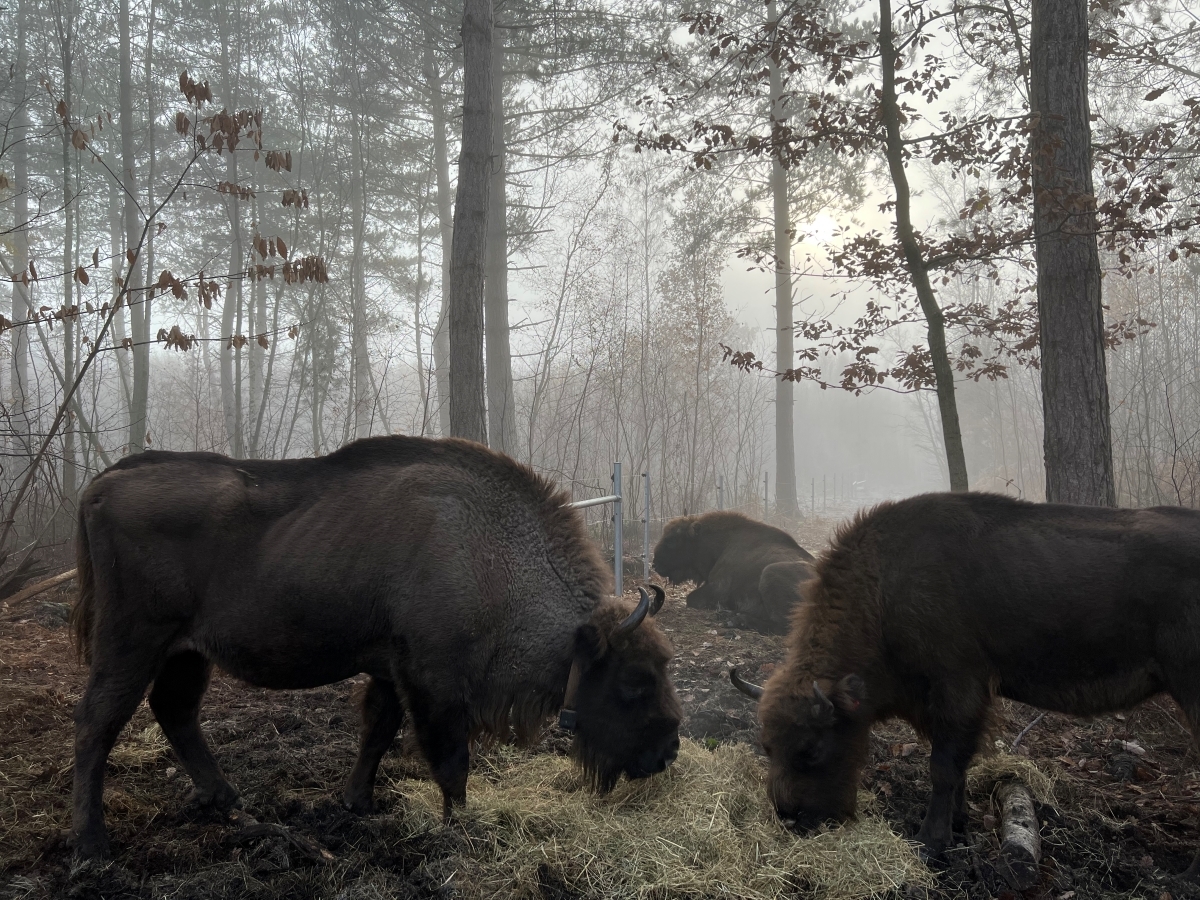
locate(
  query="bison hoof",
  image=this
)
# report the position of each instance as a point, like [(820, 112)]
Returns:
[(360, 806), (222, 798), (90, 846)]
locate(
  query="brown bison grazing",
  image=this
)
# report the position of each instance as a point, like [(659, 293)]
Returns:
[(451, 575), (726, 554), (929, 607)]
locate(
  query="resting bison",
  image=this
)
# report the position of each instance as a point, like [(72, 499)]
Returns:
[(451, 575), (727, 554), (929, 607)]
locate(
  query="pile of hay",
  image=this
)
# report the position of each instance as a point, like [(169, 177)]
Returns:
[(702, 829)]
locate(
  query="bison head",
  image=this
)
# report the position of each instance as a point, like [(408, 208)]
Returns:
[(676, 555), (626, 712), (817, 744)]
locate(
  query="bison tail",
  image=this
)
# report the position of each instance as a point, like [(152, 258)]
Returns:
[(83, 611)]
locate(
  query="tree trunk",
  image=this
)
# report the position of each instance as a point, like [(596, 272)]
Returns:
[(21, 311), (363, 399), (786, 501), (943, 372), (141, 353), (441, 161), (133, 231), (467, 408), (116, 247), (231, 304), (501, 405), (65, 20), (1077, 437)]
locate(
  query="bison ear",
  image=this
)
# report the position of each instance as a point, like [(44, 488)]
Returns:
[(850, 696), (589, 644)]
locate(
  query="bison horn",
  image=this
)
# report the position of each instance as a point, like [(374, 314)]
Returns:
[(635, 617), (660, 597), (822, 700), (752, 691)]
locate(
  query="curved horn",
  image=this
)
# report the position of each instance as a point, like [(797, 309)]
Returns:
[(752, 691), (635, 617), (820, 696), (660, 597)]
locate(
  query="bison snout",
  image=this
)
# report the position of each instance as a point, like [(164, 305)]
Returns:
[(651, 762), (802, 821)]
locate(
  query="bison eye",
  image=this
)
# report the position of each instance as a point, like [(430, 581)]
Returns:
[(635, 685)]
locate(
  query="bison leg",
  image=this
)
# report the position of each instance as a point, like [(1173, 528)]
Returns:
[(109, 701), (445, 740), (382, 715), (948, 766), (175, 701), (707, 596), (960, 805)]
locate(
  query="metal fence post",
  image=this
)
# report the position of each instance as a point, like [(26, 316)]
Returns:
[(618, 536), (646, 531)]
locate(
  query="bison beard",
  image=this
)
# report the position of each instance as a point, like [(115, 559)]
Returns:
[(738, 563), (454, 577), (928, 607)]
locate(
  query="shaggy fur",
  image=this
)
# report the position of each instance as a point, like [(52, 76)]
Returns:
[(927, 608), (727, 555), (455, 577)]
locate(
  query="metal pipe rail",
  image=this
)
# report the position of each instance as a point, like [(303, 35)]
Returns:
[(618, 501)]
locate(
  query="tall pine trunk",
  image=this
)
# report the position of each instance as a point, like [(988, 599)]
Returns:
[(943, 372), (501, 405), (1077, 436), (21, 309), (786, 502), (441, 166), (65, 20), (362, 399), (468, 416), (231, 305), (133, 234)]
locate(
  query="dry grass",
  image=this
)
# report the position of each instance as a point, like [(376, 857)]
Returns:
[(703, 829), (989, 770)]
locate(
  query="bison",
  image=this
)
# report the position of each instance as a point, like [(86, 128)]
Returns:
[(454, 577), (928, 608), (729, 555)]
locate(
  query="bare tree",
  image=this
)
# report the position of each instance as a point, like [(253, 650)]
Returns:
[(1078, 441), (467, 405)]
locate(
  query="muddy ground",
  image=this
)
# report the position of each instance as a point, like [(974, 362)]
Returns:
[(1123, 823)]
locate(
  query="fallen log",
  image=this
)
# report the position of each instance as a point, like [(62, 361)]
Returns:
[(44, 585), (1021, 842)]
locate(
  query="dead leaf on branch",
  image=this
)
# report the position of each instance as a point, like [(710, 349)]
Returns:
[(175, 339)]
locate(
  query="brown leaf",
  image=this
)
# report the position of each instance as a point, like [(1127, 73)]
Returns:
[(79, 140), (81, 275), (61, 109), (263, 342), (282, 247), (96, 258)]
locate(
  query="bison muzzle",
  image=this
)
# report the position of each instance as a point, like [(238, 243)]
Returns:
[(454, 577)]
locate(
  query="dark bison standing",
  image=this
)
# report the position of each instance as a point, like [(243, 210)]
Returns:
[(729, 555), (453, 576), (929, 607)]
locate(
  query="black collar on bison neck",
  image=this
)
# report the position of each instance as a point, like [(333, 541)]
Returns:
[(566, 716)]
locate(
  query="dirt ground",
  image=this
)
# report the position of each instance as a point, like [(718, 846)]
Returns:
[(1125, 819)]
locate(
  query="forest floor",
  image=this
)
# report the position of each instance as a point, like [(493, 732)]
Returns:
[(1125, 816)]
